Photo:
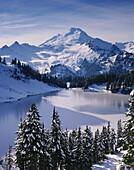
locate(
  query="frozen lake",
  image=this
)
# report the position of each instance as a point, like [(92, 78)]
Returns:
[(75, 107)]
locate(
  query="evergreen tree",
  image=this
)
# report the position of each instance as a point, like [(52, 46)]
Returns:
[(87, 142), (128, 158), (108, 145), (101, 148), (105, 136), (56, 151), (104, 139), (44, 160), (112, 141), (19, 63), (108, 85), (4, 61), (28, 145), (9, 159), (19, 146), (6, 162), (96, 147), (14, 61), (72, 148), (78, 152), (65, 146), (120, 139)]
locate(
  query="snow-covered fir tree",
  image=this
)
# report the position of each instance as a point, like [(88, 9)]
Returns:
[(101, 148), (128, 158), (120, 139), (87, 142), (108, 144), (45, 160), (104, 138), (5, 165), (78, 158), (66, 164), (8, 160), (95, 147), (39, 149), (28, 144), (56, 152), (72, 148), (112, 141), (19, 146)]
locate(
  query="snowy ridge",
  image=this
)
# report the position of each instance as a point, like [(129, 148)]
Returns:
[(16, 86), (74, 35), (126, 46), (77, 52), (99, 44)]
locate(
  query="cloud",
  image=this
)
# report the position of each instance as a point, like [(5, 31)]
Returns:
[(11, 22), (36, 21), (16, 26)]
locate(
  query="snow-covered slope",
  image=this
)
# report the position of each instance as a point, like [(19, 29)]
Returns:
[(126, 46), (84, 55), (73, 52), (23, 52), (14, 85), (98, 44), (74, 35), (60, 71)]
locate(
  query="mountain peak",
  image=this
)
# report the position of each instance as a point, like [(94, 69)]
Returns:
[(73, 36), (73, 29), (5, 47), (16, 42), (81, 35), (15, 45)]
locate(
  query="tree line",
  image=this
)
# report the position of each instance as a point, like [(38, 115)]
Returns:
[(37, 148), (123, 82), (114, 82), (3, 61)]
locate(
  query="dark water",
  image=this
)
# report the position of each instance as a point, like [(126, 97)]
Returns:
[(69, 103)]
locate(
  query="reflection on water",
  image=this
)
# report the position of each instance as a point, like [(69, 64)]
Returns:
[(10, 114), (99, 103), (69, 103)]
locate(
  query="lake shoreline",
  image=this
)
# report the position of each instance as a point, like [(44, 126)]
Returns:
[(75, 107), (29, 95), (101, 88)]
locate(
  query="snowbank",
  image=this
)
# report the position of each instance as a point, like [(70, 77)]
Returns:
[(112, 162), (96, 88), (17, 86)]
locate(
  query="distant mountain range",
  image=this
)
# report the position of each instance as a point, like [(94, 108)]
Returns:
[(74, 53)]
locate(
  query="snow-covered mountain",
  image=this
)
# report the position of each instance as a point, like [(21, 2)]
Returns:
[(74, 53), (15, 85), (75, 35), (126, 46)]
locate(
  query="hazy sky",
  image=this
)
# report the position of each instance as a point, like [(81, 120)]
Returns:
[(34, 21)]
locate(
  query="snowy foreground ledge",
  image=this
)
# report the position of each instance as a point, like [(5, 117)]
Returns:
[(111, 163), (12, 89)]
